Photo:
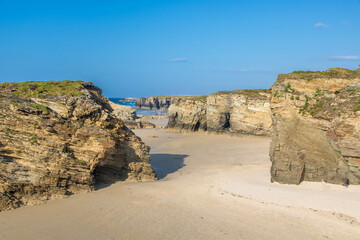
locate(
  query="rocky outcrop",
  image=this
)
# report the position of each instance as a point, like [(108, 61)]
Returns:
[(60, 138), (157, 102), (125, 113), (128, 116), (316, 120), (244, 112), (232, 112), (189, 114)]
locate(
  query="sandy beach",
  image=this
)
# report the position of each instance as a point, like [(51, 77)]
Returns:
[(210, 187), (179, 120)]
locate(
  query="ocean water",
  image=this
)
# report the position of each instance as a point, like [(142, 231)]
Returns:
[(138, 111)]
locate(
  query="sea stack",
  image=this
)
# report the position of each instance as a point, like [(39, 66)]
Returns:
[(59, 138), (316, 120)]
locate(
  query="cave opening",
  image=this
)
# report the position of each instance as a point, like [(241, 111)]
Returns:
[(108, 174), (227, 121), (197, 126)]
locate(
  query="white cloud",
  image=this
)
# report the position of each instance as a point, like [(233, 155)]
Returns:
[(321, 25), (346, 58), (176, 60)]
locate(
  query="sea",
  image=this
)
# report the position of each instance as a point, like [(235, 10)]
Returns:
[(148, 112)]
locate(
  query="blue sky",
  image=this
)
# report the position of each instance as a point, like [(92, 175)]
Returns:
[(142, 48)]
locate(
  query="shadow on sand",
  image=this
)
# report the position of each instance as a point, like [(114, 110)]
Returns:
[(164, 164)]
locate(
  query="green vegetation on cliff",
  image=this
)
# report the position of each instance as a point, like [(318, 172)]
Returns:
[(330, 73), (200, 98), (357, 108), (171, 96), (42, 89), (40, 107), (253, 92), (328, 104), (194, 99)]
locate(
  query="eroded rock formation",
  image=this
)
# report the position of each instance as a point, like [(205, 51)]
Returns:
[(233, 112), (316, 120), (157, 102), (244, 111), (188, 114), (60, 138), (128, 116), (125, 113)]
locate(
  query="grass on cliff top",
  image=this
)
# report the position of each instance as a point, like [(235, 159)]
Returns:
[(330, 73), (194, 98), (170, 96), (253, 92), (42, 89), (201, 98)]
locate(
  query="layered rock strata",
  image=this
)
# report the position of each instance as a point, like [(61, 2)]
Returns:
[(60, 138), (157, 102), (316, 120), (232, 112)]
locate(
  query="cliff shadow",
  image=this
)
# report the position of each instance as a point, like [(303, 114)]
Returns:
[(164, 164)]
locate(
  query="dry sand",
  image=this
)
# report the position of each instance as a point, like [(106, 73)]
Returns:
[(210, 187)]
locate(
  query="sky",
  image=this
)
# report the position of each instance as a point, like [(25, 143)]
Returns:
[(142, 48)]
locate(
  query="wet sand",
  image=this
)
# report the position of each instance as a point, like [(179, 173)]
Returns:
[(210, 187)]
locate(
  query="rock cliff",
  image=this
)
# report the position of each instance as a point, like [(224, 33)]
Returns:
[(60, 138), (243, 111), (188, 114), (157, 102), (233, 112), (316, 120)]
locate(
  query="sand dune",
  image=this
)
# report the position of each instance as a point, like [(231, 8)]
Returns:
[(210, 187)]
